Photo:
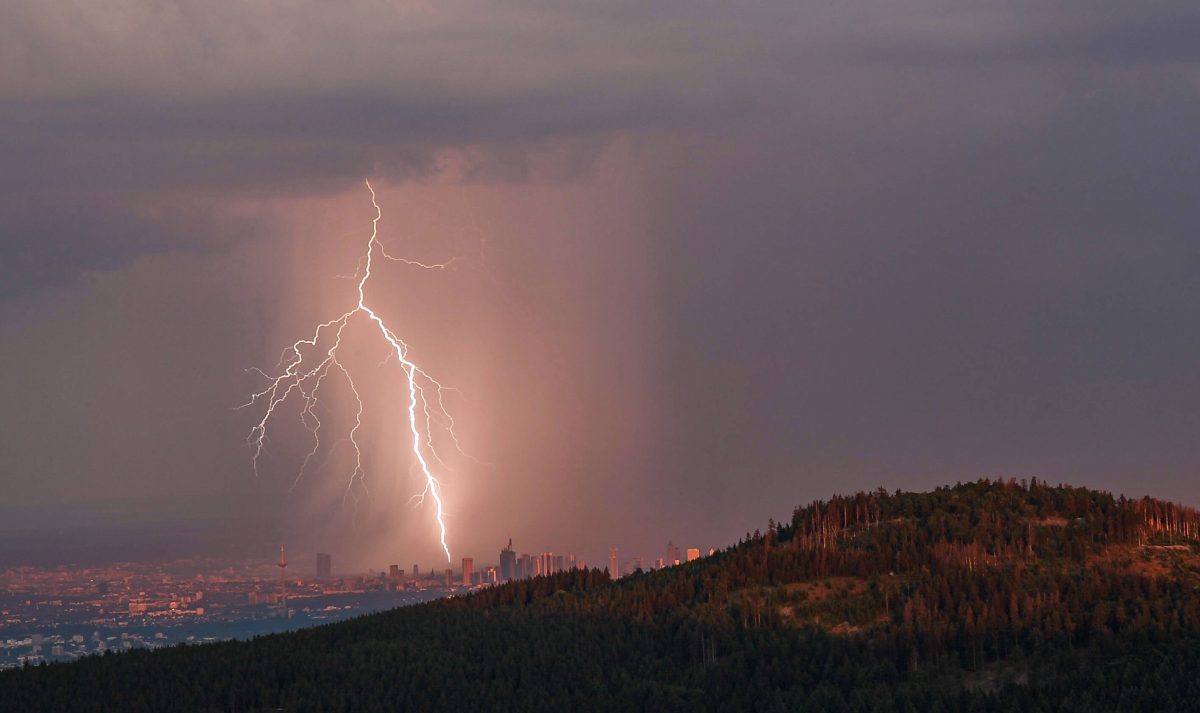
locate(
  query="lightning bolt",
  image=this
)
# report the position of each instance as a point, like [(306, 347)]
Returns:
[(304, 367)]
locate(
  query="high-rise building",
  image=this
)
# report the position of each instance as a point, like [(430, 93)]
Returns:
[(693, 553), (524, 567), (559, 563), (395, 573), (613, 571), (282, 564), (659, 563), (547, 563), (672, 554), (324, 566), (449, 578), (571, 562), (508, 563), (468, 568), (416, 572)]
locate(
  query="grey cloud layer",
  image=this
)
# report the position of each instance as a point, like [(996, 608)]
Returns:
[(106, 107)]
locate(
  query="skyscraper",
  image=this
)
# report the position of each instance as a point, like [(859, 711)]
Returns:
[(508, 562), (324, 566), (613, 570), (468, 568), (672, 554), (693, 554), (524, 567), (282, 564)]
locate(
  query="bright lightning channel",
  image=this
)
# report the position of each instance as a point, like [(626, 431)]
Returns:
[(305, 367)]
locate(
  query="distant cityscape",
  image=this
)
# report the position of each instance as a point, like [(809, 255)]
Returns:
[(59, 613), (513, 566)]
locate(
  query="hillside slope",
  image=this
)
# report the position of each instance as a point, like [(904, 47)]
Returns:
[(982, 596)]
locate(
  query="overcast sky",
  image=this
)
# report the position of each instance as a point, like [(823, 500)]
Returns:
[(715, 260)]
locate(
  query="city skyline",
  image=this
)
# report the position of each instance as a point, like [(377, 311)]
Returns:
[(512, 563), (61, 613)]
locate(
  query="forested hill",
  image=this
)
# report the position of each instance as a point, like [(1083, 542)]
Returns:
[(988, 596)]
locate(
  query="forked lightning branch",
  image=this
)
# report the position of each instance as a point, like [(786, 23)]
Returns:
[(310, 363)]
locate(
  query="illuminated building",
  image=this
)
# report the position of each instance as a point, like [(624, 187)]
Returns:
[(613, 571), (693, 553), (672, 554), (468, 566)]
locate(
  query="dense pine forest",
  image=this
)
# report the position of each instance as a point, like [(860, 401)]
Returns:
[(986, 596)]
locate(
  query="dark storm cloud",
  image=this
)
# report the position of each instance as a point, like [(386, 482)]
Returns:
[(142, 144), (1112, 36), (147, 97), (101, 109), (51, 242)]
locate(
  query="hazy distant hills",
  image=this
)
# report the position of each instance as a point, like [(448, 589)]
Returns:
[(986, 596)]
